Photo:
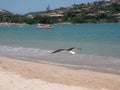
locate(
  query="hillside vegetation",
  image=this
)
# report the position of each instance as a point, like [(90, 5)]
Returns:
[(94, 12)]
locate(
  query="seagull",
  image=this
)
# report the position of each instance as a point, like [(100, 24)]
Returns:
[(66, 50)]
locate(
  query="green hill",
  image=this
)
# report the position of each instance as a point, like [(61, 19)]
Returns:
[(104, 11), (95, 12)]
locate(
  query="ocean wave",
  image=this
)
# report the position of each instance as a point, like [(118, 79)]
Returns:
[(21, 51), (78, 60)]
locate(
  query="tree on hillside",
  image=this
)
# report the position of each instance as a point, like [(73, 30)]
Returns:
[(48, 8)]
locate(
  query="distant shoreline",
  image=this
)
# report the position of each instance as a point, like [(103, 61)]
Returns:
[(63, 23), (10, 24)]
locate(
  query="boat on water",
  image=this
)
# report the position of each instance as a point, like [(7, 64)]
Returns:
[(44, 26)]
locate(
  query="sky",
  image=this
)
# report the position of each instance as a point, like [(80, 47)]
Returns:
[(26, 6)]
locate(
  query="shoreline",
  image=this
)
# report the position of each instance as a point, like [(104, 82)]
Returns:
[(96, 68), (60, 75)]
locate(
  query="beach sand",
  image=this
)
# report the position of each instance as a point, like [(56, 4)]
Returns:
[(18, 74)]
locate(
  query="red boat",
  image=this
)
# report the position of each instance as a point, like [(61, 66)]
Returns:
[(46, 26)]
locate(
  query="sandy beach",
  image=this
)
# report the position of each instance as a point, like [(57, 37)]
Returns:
[(18, 74)]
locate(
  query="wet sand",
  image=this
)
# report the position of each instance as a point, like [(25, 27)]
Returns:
[(17, 74)]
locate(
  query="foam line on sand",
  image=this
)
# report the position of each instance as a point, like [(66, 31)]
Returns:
[(23, 75)]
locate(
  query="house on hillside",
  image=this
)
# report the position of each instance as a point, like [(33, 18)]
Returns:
[(30, 16), (90, 15), (117, 15)]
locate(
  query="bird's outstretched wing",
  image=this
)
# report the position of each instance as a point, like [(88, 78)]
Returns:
[(73, 48), (59, 50), (70, 49)]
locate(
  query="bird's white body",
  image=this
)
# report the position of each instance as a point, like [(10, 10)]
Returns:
[(71, 52)]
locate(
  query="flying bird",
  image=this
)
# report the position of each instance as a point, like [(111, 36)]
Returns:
[(66, 50)]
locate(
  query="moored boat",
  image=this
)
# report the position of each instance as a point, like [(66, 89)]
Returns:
[(46, 26)]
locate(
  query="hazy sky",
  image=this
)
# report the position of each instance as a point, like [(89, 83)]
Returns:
[(25, 6)]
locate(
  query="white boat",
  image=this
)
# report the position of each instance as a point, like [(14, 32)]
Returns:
[(44, 26)]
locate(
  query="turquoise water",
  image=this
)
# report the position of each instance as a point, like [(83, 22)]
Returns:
[(100, 44), (100, 39)]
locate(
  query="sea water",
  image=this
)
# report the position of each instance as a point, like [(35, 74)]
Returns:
[(100, 43)]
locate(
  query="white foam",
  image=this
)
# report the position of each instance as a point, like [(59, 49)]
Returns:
[(66, 59), (7, 50)]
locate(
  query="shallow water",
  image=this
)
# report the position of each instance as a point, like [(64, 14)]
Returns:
[(100, 44)]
